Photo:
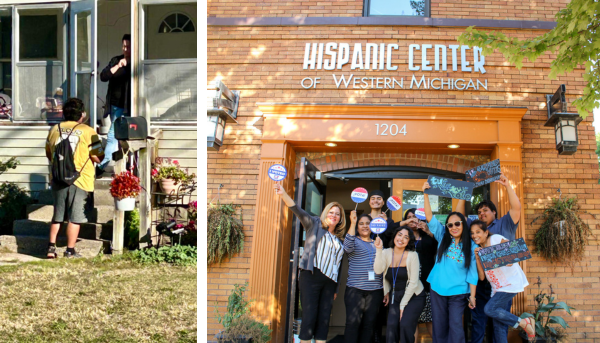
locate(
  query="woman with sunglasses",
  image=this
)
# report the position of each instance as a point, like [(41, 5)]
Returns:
[(364, 289), (453, 278), (403, 290), (320, 265), (426, 248)]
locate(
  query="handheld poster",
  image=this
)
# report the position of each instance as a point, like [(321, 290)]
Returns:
[(378, 226), (500, 255), (484, 174), (450, 188), (359, 195), (277, 172)]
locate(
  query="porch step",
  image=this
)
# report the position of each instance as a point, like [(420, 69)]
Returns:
[(27, 227), (38, 245), (44, 213)]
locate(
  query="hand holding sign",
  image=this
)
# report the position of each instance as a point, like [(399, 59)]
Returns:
[(359, 195), (394, 203), (277, 172), (378, 226), (503, 254)]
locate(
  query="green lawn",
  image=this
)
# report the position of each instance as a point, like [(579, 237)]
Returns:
[(97, 300)]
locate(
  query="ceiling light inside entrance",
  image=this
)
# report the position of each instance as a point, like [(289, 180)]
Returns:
[(331, 144), (453, 146)]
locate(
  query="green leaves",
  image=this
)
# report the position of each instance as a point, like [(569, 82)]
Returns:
[(225, 235), (575, 40)]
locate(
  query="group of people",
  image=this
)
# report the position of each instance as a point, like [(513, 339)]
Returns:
[(415, 272)]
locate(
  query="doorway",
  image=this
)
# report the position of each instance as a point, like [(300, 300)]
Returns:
[(314, 189)]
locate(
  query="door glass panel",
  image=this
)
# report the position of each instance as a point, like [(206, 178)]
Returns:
[(40, 92), (39, 34), (83, 90), (440, 206), (84, 49), (313, 199)]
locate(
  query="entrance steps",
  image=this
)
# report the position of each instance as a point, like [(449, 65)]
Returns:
[(30, 236)]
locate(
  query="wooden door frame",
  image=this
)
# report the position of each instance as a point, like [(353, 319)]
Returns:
[(289, 128)]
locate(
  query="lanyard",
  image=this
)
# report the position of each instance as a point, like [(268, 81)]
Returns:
[(371, 253), (395, 274)]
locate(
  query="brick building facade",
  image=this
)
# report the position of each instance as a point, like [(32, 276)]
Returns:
[(259, 49)]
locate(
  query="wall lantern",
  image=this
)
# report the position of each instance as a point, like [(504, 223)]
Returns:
[(222, 106), (565, 124)]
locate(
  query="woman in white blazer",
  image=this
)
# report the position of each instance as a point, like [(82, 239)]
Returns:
[(404, 292)]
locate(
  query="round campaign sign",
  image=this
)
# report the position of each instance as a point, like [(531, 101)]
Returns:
[(378, 226), (277, 172), (394, 203), (420, 213), (359, 195)]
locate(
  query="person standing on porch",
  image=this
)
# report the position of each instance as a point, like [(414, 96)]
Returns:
[(320, 265), (506, 227), (453, 278), (364, 289), (70, 199), (117, 73)]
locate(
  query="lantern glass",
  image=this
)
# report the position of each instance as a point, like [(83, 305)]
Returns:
[(220, 129), (569, 131), (557, 132), (211, 127)]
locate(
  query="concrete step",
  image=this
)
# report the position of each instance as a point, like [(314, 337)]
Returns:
[(44, 213), (38, 245), (26, 227), (14, 258)]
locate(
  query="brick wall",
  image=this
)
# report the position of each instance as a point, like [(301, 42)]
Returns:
[(501, 10), (265, 63)]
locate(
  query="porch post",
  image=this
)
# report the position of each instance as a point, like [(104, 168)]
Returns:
[(271, 238)]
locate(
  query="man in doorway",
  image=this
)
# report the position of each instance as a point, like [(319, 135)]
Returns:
[(70, 198), (117, 73), (505, 226)]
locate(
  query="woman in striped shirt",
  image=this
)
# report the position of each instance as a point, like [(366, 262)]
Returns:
[(364, 289), (320, 265)]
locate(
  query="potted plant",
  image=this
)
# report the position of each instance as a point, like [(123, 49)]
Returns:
[(191, 236), (544, 306), (563, 235), (169, 174), (225, 235), (239, 326), (125, 187)]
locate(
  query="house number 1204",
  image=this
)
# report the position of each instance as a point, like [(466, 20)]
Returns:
[(384, 129)]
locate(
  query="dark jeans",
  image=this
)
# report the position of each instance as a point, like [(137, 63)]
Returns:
[(496, 309), (479, 319), (447, 312), (362, 308), (316, 298), (403, 330)]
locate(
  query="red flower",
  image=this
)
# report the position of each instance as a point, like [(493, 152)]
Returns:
[(154, 172), (125, 185)]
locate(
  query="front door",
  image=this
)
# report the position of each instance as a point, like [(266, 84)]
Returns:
[(82, 33), (310, 196)]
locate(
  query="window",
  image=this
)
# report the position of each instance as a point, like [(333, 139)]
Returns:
[(414, 8), (5, 54), (177, 22), (169, 70)]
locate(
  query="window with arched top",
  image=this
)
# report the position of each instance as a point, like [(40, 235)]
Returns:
[(176, 22)]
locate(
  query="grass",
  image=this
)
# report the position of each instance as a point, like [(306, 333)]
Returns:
[(97, 300)]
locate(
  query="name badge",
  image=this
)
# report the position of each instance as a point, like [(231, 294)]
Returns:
[(371, 275)]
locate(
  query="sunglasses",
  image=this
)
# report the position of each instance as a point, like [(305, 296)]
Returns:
[(457, 224)]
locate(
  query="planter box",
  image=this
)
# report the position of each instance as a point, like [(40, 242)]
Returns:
[(523, 336)]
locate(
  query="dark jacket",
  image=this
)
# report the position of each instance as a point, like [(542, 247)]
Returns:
[(118, 93)]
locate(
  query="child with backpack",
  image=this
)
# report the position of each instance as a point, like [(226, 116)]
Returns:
[(73, 174)]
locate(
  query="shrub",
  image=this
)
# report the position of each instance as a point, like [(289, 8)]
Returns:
[(132, 229), (237, 321), (181, 255), (13, 199)]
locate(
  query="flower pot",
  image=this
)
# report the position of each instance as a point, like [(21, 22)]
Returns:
[(168, 186), (125, 204), (221, 337)]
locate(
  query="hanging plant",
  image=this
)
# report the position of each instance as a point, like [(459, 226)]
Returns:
[(563, 235), (225, 234)]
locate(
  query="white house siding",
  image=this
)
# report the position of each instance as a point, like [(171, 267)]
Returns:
[(27, 144), (180, 144)]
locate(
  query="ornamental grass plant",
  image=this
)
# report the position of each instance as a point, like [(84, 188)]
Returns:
[(563, 235), (225, 236)]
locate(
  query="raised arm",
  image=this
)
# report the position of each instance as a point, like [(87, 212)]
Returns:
[(289, 202), (513, 199), (480, 271), (460, 207), (428, 212), (352, 229), (379, 263)]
